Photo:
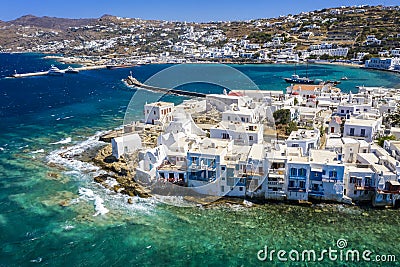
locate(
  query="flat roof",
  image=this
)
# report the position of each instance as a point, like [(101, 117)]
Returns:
[(159, 104), (322, 156), (360, 122), (257, 151)]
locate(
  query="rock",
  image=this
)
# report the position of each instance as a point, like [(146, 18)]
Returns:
[(130, 201), (101, 178)]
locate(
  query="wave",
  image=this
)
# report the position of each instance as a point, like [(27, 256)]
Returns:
[(67, 157), (63, 141), (38, 151)]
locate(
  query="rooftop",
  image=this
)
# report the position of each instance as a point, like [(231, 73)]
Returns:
[(302, 134)]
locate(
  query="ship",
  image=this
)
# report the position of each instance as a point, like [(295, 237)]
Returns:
[(296, 79), (54, 71), (71, 70)]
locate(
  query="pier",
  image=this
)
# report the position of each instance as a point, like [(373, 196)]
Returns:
[(132, 81), (42, 73)]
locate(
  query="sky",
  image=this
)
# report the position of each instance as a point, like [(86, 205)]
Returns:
[(172, 10)]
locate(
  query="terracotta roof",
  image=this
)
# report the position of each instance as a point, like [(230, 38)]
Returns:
[(231, 93), (306, 87)]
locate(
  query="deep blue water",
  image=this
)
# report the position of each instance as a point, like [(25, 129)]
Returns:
[(35, 229)]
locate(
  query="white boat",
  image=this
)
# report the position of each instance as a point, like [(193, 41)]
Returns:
[(344, 78), (71, 70), (54, 71)]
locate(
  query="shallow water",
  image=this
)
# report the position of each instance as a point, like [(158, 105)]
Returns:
[(44, 219)]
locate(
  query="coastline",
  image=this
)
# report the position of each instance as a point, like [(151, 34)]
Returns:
[(118, 177)]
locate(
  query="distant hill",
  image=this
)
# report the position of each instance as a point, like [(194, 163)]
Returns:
[(51, 22)]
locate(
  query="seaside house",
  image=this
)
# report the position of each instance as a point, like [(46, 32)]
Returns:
[(158, 112), (298, 171), (275, 184), (206, 165), (332, 170), (125, 144)]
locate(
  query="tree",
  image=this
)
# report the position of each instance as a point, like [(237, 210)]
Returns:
[(282, 116), (381, 140), (292, 126)]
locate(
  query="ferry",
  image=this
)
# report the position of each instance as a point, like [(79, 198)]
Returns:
[(54, 71)]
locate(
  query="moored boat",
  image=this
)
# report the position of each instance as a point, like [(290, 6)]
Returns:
[(54, 71), (299, 80), (71, 70)]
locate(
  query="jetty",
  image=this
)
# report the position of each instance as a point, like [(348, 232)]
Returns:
[(132, 81), (42, 73)]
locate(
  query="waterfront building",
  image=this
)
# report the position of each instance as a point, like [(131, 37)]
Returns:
[(298, 171), (125, 144), (382, 63), (158, 112)]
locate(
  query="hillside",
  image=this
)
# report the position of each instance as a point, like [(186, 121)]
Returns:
[(343, 26)]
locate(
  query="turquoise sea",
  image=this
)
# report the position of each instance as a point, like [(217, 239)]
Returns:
[(45, 221)]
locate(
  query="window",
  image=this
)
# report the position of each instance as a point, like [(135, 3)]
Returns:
[(302, 184), (333, 174), (368, 181), (351, 131), (353, 180), (171, 175), (293, 172), (250, 138), (362, 132), (241, 188), (295, 145), (291, 183), (225, 136), (302, 172), (222, 188), (223, 168)]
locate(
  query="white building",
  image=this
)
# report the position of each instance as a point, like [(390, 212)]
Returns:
[(305, 139), (125, 144), (241, 133), (158, 112), (365, 129), (382, 63)]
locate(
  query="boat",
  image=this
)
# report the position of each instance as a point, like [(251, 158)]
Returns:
[(299, 80), (344, 78), (71, 70), (54, 71), (119, 66), (331, 82)]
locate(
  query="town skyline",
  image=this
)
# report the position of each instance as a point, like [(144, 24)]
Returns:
[(174, 10)]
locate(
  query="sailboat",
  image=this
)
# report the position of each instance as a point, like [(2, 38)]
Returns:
[(299, 80)]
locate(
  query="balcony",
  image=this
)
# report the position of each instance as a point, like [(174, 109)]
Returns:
[(202, 167)]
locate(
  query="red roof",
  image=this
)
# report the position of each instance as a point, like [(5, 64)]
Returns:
[(232, 93), (295, 93), (313, 96)]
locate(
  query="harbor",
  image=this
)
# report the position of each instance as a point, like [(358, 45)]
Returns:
[(134, 82)]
